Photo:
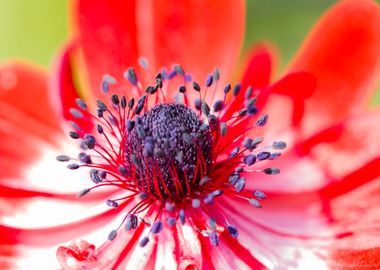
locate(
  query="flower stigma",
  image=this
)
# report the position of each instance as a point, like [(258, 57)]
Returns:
[(170, 159)]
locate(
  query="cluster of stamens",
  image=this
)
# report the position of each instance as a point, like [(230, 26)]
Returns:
[(172, 156)]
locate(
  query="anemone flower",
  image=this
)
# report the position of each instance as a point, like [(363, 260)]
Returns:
[(174, 163)]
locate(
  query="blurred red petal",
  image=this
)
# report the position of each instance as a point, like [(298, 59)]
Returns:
[(367, 259), (355, 218), (27, 117), (343, 52), (284, 234), (199, 35), (346, 147), (64, 86), (23, 89), (298, 174), (107, 38), (302, 83)]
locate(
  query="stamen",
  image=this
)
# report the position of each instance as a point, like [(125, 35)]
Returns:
[(174, 160)]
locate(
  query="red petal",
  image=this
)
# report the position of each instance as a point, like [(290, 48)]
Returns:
[(279, 235), (239, 251), (302, 83), (66, 93), (356, 219), (343, 52), (107, 35), (23, 92), (343, 149), (355, 259), (257, 74), (199, 35), (27, 117), (82, 255), (298, 174)]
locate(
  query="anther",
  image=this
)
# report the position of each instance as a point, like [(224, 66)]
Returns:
[(227, 89), (279, 145), (63, 158), (101, 105), (274, 156), (182, 89), (84, 158), (255, 203), (234, 152), (99, 128), (209, 80), (237, 89), (171, 221), (112, 203), (180, 71), (115, 99), (131, 103), (182, 216), (233, 178), (81, 104), (142, 195), (250, 159), (140, 105), (95, 177), (112, 235), (196, 87), (131, 222), (73, 166), (204, 180), (130, 74), (205, 108), (212, 224), (83, 192), (158, 80), (214, 239), (240, 185), (243, 112), (123, 102), (262, 120), (157, 227), (195, 203), (259, 195), (233, 231), (130, 125), (74, 125), (143, 63), (144, 241), (248, 92), (76, 113), (122, 170), (208, 199), (247, 143), (216, 193), (198, 104), (89, 141), (169, 207), (216, 74), (271, 171), (252, 110), (263, 155), (218, 105)]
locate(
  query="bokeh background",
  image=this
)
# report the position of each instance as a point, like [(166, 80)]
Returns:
[(34, 29)]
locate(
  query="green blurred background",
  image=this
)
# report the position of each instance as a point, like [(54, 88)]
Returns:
[(34, 29)]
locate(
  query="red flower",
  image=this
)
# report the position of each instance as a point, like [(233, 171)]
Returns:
[(321, 210)]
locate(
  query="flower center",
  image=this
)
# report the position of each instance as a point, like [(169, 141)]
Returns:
[(168, 159), (165, 147)]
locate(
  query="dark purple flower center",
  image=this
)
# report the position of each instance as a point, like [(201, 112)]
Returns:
[(166, 147)]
